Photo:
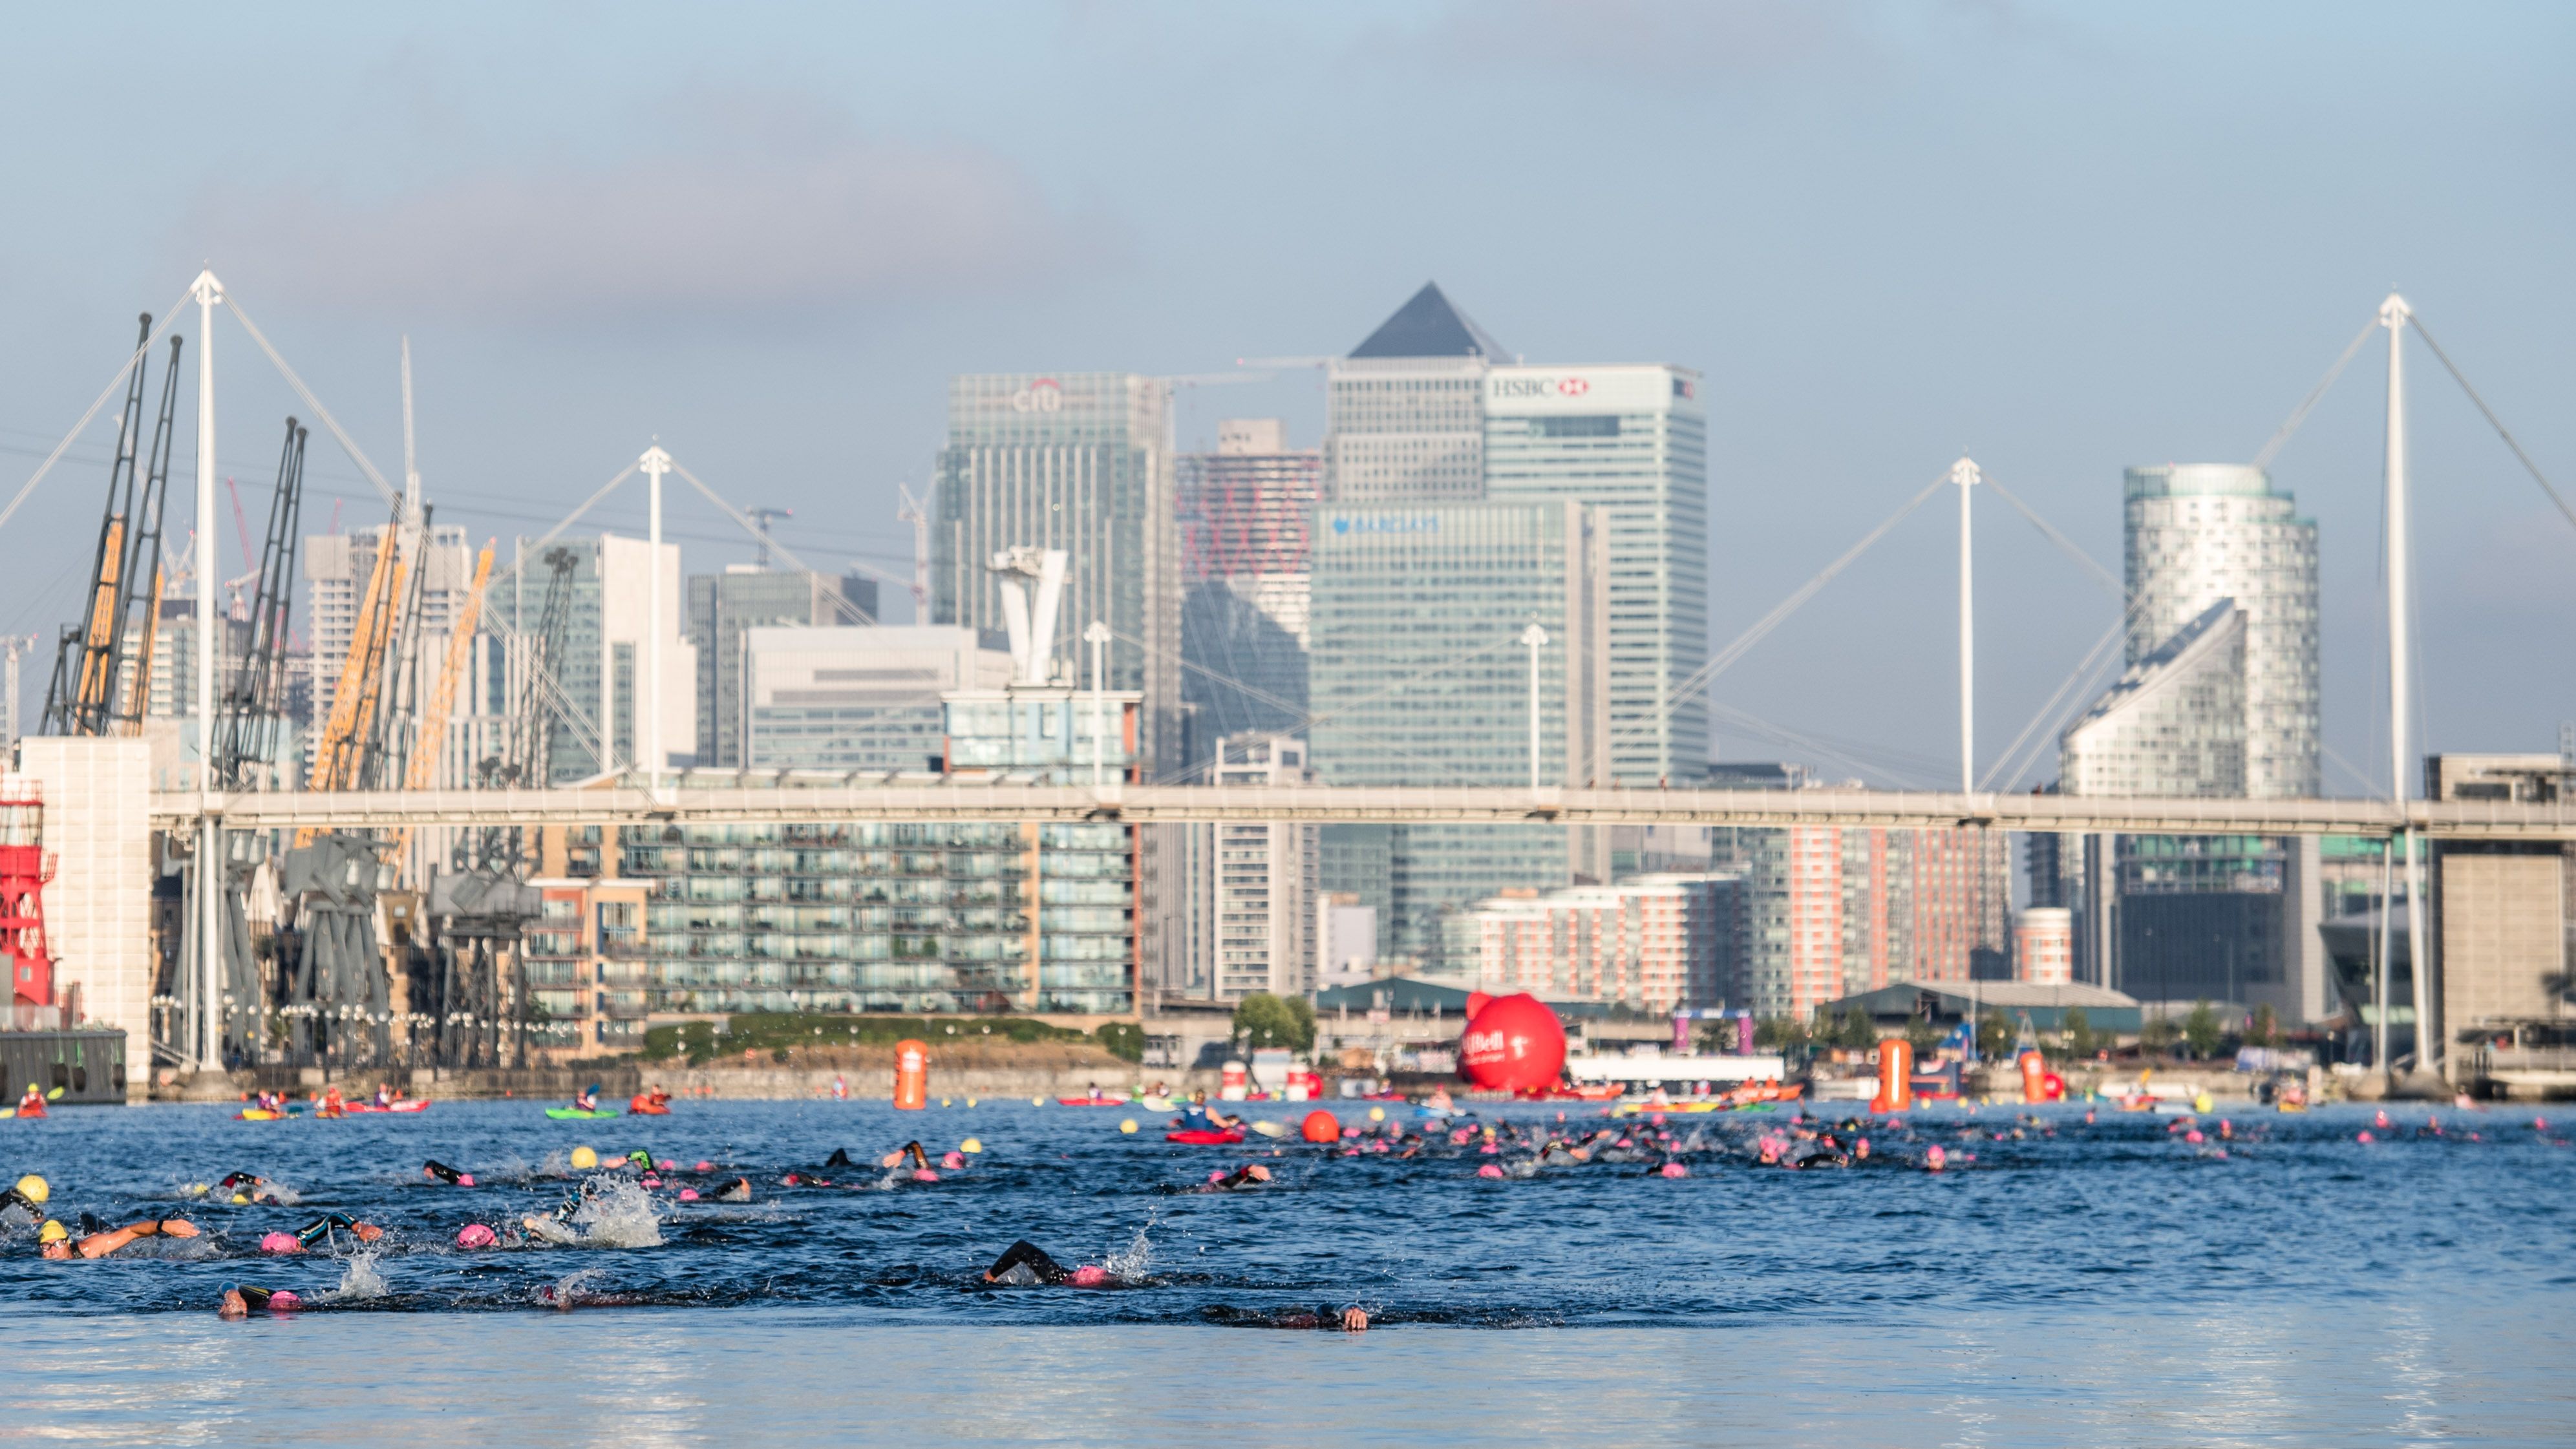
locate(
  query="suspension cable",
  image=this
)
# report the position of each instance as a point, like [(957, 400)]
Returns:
[(2493, 421), (104, 393), (348, 444), (2299, 414)]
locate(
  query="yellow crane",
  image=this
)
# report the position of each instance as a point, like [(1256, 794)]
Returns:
[(341, 752), (423, 770)]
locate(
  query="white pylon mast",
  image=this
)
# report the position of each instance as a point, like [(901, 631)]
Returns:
[(1536, 638), (411, 460), (2393, 315), (208, 1045), (1964, 473), (655, 463)]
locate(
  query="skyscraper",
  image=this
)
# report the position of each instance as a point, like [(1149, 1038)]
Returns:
[(1407, 408), (1080, 462), (2198, 533), (1632, 442), (722, 607), (1421, 677), (1243, 513), (599, 655)]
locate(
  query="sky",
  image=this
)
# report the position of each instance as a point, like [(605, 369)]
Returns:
[(2060, 239)]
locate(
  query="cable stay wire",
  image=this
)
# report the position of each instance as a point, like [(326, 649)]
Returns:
[(1699, 679), (2493, 421), (348, 444), (132, 361), (2100, 574), (2298, 415), (1897, 767), (832, 590), (1304, 719), (2085, 669)]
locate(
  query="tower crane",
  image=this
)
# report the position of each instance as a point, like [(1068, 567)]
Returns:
[(92, 656)]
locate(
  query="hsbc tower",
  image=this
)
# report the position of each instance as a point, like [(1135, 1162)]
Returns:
[(1633, 442)]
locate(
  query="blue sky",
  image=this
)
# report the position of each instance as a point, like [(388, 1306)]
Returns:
[(2062, 238)]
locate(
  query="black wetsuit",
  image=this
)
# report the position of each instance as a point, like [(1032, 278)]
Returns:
[(254, 1297), (13, 1198), (840, 1158), (1025, 1254), (441, 1171), (320, 1228)]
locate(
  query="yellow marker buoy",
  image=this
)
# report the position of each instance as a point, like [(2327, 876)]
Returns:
[(584, 1157), (971, 1144), (1037, 1101), (970, 1101), (944, 1102), (1128, 1126), (1377, 1114), (2202, 1103)]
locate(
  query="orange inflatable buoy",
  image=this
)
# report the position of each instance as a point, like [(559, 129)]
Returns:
[(1321, 1126), (2034, 1078), (1895, 1076), (911, 1075)]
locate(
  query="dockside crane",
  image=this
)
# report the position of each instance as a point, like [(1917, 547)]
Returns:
[(93, 657), (252, 709)]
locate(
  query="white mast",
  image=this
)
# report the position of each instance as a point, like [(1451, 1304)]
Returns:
[(1535, 637), (655, 463), (2393, 315), (208, 1046), (1098, 637), (1964, 473)]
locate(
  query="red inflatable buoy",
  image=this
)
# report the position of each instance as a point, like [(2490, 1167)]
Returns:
[(1322, 1126), (1513, 1043)]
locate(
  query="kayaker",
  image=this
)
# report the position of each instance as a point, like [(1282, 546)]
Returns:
[(33, 1103), (100, 1240), (655, 1103), (1197, 1116), (333, 1104), (587, 1099), (384, 1096), (446, 1174), (241, 1298), (1026, 1265)]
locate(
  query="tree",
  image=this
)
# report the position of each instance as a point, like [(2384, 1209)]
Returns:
[(1923, 1035), (2159, 1035), (2201, 1029), (1264, 1020), (2266, 1030), (1856, 1031), (2078, 1031), (1780, 1033), (1994, 1038)]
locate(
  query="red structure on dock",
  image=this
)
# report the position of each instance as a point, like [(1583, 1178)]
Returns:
[(23, 873)]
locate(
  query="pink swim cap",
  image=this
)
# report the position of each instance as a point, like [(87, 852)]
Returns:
[(924, 1174), (284, 1300), (2193, 1136), (1489, 1170), (1675, 1169), (705, 1166), (688, 1194), (475, 1235), (666, 1164), (465, 1179), (1089, 1275), (953, 1161)]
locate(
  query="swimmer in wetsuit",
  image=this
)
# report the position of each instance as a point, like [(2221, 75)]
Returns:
[(1353, 1319), (97, 1239), (446, 1174), (319, 1231), (250, 1187), (29, 1196), (920, 1159), (1024, 1264), (1251, 1174), (241, 1298)]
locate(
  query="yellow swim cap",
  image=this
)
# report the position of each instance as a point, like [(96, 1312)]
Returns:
[(584, 1157), (970, 1101), (34, 1188), (971, 1144), (1377, 1114), (239, 1199), (1128, 1125), (52, 1232), (1037, 1101)]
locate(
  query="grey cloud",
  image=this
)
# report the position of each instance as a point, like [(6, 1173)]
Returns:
[(756, 226)]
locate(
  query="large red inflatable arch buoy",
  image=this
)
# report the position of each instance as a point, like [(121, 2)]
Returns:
[(1513, 1044)]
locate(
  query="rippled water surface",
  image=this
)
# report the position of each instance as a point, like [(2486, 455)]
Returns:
[(2063, 1281)]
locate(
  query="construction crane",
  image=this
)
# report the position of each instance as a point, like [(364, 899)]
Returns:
[(423, 771), (92, 657), (760, 520), (253, 704)]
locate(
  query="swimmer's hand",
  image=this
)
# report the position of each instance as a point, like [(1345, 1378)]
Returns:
[(176, 1228)]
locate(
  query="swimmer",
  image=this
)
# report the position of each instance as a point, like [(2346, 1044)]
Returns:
[(920, 1159), (98, 1240), (250, 1187), (1353, 1319), (319, 1230), (446, 1174), (29, 1196), (1251, 1174), (840, 1158), (1024, 1265), (739, 1190), (241, 1298)]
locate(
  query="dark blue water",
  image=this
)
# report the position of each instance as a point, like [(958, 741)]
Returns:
[(2112, 1216)]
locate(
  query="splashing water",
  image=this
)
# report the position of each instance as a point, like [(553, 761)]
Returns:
[(564, 1292), (361, 1277), (1131, 1263), (621, 1215)]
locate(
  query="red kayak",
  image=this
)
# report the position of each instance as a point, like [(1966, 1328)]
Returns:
[(1091, 1101), (408, 1104), (1203, 1139)]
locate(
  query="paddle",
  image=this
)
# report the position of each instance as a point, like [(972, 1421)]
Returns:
[(1271, 1129)]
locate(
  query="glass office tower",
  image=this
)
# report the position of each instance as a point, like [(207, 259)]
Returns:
[(1633, 442)]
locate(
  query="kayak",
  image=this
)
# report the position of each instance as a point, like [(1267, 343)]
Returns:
[(634, 1111), (258, 1114), (1091, 1101), (1204, 1139), (410, 1104), (568, 1114)]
